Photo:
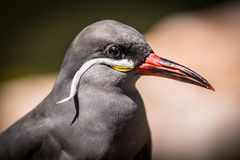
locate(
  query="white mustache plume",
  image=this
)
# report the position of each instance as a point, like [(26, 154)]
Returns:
[(87, 65)]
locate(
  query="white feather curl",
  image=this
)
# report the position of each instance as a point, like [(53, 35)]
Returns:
[(87, 65)]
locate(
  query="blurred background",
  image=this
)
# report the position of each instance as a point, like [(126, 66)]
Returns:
[(187, 122)]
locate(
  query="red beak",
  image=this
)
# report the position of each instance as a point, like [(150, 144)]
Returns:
[(157, 66)]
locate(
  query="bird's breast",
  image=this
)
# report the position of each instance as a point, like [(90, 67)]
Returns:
[(110, 121)]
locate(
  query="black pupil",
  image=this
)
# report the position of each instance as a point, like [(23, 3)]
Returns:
[(115, 51)]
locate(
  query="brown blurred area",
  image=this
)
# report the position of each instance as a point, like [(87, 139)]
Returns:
[(187, 122)]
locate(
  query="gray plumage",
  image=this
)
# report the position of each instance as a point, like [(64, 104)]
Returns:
[(111, 122)]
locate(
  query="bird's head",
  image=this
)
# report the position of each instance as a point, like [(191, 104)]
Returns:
[(112, 50)]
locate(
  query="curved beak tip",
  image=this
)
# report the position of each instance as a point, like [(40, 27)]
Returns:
[(157, 66), (210, 87)]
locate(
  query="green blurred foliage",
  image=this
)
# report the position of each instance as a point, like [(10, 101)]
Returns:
[(36, 34)]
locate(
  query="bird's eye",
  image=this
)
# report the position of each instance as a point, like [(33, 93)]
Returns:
[(114, 52)]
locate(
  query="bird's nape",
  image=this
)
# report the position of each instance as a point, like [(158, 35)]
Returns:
[(157, 66)]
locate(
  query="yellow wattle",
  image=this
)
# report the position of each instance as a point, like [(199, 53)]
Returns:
[(122, 68)]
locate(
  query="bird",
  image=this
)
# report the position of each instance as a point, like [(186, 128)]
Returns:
[(94, 110)]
